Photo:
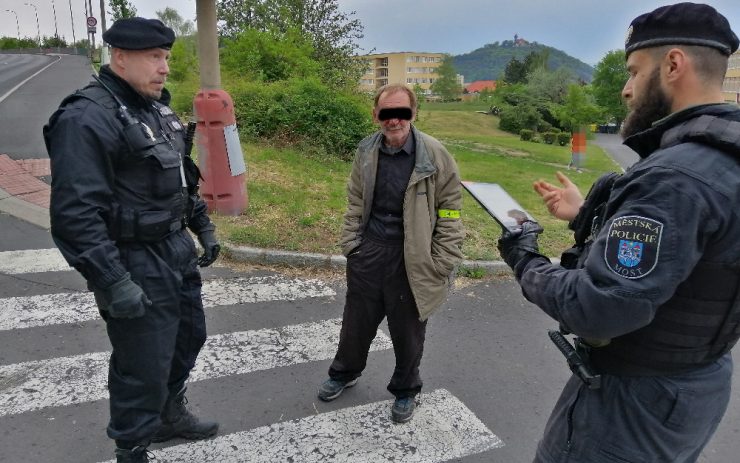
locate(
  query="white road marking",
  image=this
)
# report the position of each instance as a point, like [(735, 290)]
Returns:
[(32, 261), (442, 429), (59, 308), (10, 92), (77, 379)]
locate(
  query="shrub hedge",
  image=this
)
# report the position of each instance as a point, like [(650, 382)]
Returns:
[(303, 112)]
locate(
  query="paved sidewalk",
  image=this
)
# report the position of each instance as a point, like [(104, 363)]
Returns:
[(22, 193)]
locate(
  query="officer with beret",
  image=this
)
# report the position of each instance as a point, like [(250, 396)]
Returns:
[(653, 290), (124, 194)]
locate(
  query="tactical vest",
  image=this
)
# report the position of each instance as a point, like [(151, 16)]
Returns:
[(701, 322), (153, 182)]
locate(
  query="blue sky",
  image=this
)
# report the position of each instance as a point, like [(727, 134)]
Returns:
[(585, 29)]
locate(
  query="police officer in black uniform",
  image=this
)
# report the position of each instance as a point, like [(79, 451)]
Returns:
[(124, 193), (654, 297)]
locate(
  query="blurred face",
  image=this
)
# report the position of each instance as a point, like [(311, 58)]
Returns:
[(145, 70), (646, 100), (394, 114)]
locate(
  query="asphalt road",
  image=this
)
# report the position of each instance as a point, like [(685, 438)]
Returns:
[(24, 112), (487, 349), (612, 143)]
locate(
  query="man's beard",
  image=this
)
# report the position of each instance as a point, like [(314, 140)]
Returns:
[(653, 106)]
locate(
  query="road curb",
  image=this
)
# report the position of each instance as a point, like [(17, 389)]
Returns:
[(328, 261), (24, 210)]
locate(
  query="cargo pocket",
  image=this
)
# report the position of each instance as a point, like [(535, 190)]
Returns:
[(166, 180), (153, 225)]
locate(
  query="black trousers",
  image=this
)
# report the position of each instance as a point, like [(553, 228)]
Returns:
[(153, 355), (656, 419), (377, 287)]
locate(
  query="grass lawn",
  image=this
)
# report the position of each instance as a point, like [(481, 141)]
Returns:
[(297, 202)]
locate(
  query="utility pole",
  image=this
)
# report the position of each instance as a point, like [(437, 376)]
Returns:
[(221, 161), (104, 59)]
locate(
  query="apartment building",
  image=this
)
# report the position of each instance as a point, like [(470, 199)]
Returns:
[(731, 85), (405, 67)]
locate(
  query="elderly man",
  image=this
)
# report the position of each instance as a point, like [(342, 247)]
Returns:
[(402, 236), (653, 295), (124, 192)]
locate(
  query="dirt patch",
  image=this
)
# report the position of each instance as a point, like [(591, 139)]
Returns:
[(512, 152)]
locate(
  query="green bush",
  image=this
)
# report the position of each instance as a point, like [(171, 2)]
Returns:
[(526, 134), (304, 112), (563, 138), (549, 137), (268, 56), (515, 118)]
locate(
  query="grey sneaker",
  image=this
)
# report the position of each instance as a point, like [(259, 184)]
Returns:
[(403, 409), (331, 388)]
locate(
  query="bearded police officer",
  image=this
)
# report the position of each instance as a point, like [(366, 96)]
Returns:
[(655, 295), (124, 193)]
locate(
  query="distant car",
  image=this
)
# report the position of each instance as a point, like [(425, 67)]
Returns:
[(610, 127)]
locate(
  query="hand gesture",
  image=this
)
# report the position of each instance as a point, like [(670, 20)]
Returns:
[(563, 203)]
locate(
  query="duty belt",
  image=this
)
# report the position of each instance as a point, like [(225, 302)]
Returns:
[(145, 226)]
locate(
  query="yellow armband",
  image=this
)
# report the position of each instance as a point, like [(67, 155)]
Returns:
[(448, 214)]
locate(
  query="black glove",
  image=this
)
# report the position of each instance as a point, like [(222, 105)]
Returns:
[(518, 246), (123, 299), (211, 248)]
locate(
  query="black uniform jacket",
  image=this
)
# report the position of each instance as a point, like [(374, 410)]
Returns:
[(672, 218), (99, 180)]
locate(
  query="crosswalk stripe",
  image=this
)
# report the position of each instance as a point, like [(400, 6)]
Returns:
[(32, 261), (60, 308), (442, 429), (77, 379)]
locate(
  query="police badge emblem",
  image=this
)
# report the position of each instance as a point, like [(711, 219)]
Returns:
[(630, 253), (632, 246)]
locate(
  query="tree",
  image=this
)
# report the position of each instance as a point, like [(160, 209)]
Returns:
[(269, 56), (610, 75), (173, 20), (446, 84), (334, 34), (53, 42), (120, 9), (515, 72), (549, 86), (578, 108), (536, 60)]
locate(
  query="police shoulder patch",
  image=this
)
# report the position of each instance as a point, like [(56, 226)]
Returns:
[(632, 246)]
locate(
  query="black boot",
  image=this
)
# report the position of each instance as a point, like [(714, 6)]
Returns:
[(137, 454), (177, 421)]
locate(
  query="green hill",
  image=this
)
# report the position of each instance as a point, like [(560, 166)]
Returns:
[(489, 61)]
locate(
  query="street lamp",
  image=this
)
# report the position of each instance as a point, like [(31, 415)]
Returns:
[(38, 29), (56, 30), (74, 40), (17, 27)]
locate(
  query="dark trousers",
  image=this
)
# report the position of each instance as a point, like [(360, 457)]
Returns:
[(153, 355), (377, 287), (662, 419)]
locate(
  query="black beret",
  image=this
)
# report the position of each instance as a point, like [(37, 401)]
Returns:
[(139, 34), (681, 24)]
